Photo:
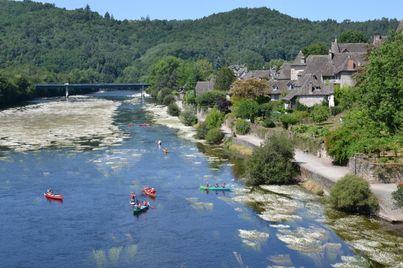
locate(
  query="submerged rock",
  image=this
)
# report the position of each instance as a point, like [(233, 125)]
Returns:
[(253, 238)]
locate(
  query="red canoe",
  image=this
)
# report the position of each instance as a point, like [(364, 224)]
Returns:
[(54, 196), (151, 192)]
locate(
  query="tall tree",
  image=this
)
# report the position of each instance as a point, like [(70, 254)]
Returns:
[(224, 79), (382, 84), (353, 36), (315, 49)]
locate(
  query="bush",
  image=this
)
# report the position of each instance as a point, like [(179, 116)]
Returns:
[(168, 100), (214, 119), (335, 110), (398, 195), (246, 109), (188, 118), (272, 163), (173, 109), (242, 127), (352, 194), (190, 97), (201, 131), (268, 123), (289, 119), (265, 109), (320, 113), (162, 94), (214, 136), (211, 99)]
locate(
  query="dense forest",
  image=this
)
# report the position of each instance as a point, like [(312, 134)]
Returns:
[(49, 44)]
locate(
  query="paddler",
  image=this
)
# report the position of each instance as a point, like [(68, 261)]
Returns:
[(132, 197)]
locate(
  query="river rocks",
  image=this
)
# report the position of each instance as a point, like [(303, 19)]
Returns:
[(81, 123), (253, 238), (196, 204)]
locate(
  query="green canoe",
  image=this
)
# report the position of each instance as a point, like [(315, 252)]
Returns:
[(213, 188), (138, 210)]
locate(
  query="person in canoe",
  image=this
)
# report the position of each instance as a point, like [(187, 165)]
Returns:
[(216, 185), (165, 150), (223, 185), (49, 191), (132, 197)]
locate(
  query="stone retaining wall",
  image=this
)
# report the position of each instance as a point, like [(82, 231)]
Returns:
[(375, 172)]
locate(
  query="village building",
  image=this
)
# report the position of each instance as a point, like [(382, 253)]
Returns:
[(203, 87)]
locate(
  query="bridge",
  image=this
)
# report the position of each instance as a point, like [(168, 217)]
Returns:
[(66, 89)]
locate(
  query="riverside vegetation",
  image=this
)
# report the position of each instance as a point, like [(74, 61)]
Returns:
[(86, 47), (371, 120)]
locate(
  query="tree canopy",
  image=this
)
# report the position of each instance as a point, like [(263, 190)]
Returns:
[(353, 36), (48, 43), (315, 49)]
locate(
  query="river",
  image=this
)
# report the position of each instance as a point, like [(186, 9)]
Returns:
[(93, 151)]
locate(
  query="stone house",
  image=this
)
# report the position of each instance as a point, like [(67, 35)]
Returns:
[(309, 90), (204, 86)]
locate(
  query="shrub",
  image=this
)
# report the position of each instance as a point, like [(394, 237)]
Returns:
[(211, 99), (168, 100), (398, 195), (162, 94), (289, 119), (173, 109), (352, 194), (335, 110), (246, 109), (242, 127), (265, 109), (214, 119), (272, 163), (320, 113), (268, 123), (214, 136), (190, 97), (301, 107), (201, 131), (188, 118)]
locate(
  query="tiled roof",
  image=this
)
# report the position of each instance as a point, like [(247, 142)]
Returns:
[(299, 59), (349, 47), (260, 74), (310, 85), (285, 72)]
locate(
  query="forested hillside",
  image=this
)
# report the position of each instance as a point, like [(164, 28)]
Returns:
[(52, 44)]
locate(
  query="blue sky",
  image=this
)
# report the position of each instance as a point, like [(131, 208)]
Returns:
[(356, 10)]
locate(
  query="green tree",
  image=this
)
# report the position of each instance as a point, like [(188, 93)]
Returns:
[(315, 49), (165, 73), (352, 194), (352, 36), (224, 79), (246, 109), (272, 163), (382, 84)]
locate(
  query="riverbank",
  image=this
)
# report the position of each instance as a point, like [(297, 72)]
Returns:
[(325, 173), (284, 208)]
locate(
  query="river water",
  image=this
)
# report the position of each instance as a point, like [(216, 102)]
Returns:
[(93, 151)]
